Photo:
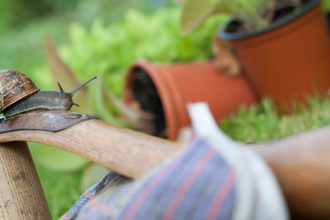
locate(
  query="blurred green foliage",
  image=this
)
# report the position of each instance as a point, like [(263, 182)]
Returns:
[(326, 5), (17, 13), (109, 50), (55, 159), (23, 48), (262, 122), (253, 14), (22, 39), (61, 189)]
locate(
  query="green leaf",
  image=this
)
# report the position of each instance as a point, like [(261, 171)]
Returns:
[(195, 12), (58, 160), (64, 74), (97, 100), (250, 12), (326, 5)]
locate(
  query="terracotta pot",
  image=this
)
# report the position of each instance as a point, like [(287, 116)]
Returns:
[(181, 83), (288, 59)]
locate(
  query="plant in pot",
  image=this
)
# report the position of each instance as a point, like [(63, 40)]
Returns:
[(155, 94), (166, 89), (283, 45)]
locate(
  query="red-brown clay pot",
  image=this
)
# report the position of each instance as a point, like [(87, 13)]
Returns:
[(288, 59), (183, 83)]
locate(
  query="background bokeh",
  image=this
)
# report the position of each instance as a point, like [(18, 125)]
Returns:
[(93, 37), (103, 37)]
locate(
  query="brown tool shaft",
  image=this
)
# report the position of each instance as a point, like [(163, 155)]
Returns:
[(125, 151), (300, 162), (302, 166), (21, 194)]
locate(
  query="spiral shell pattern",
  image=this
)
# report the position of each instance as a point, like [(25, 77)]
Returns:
[(14, 86)]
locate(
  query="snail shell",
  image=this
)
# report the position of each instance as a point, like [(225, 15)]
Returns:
[(18, 94), (14, 86)]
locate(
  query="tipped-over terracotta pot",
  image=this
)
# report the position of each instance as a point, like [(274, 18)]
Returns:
[(290, 58), (174, 86)]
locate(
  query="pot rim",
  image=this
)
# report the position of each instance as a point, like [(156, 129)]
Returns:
[(162, 89), (235, 36)]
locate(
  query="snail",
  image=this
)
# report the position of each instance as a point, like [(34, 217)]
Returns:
[(19, 94)]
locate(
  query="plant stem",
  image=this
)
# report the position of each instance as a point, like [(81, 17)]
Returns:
[(278, 5), (271, 12), (299, 3)]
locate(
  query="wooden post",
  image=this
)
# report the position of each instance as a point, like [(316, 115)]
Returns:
[(21, 194)]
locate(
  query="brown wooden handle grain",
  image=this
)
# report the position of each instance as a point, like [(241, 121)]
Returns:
[(301, 164), (125, 151), (21, 194)]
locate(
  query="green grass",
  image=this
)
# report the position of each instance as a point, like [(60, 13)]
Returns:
[(263, 123), (61, 189)]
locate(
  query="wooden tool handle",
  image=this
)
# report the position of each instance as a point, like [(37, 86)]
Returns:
[(127, 152), (301, 164), (21, 194)]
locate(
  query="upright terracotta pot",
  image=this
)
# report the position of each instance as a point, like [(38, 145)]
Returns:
[(183, 83), (288, 59)]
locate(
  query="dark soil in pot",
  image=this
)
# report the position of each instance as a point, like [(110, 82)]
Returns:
[(146, 94), (165, 90)]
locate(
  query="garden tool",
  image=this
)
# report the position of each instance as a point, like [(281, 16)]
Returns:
[(300, 163)]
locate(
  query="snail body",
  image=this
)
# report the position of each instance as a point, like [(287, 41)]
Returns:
[(19, 94)]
